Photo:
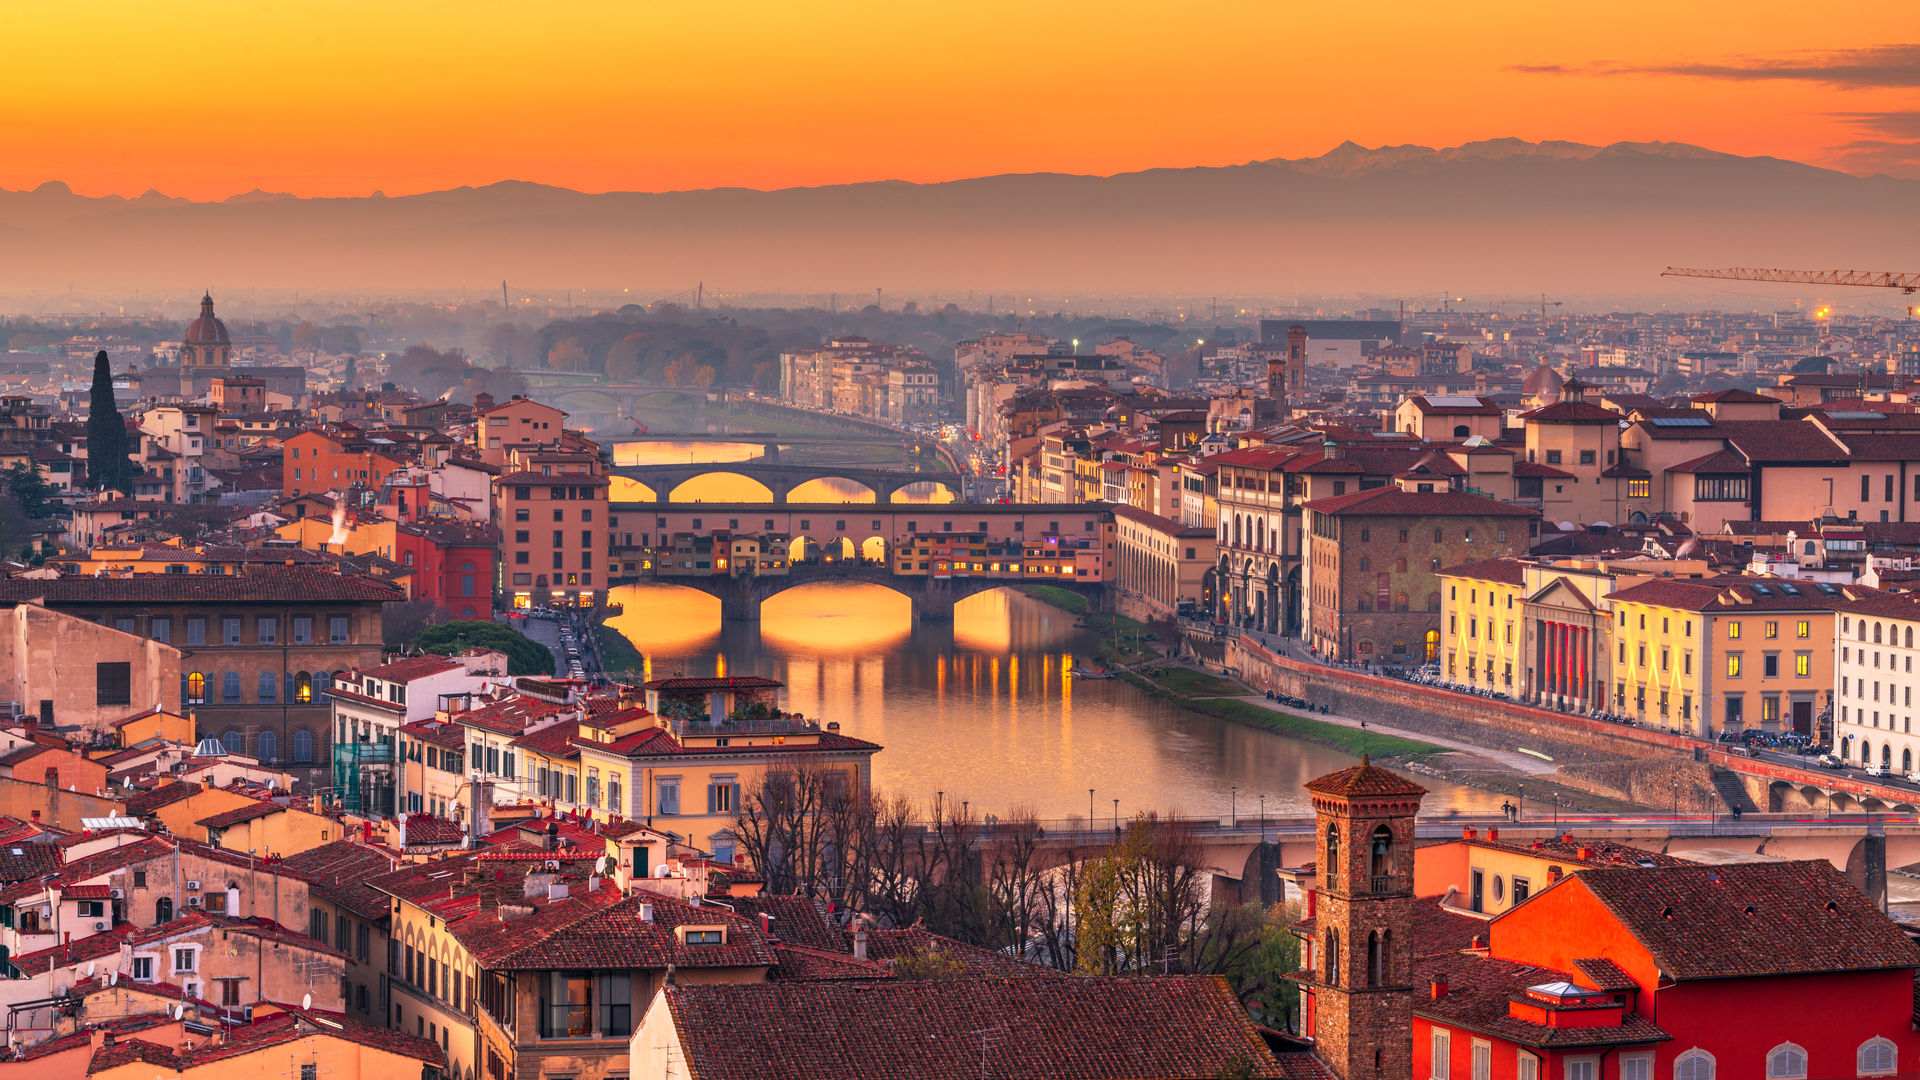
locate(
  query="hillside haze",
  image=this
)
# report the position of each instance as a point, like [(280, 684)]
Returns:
[(1496, 216)]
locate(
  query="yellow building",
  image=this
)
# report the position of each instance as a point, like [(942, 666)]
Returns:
[(1715, 654), (283, 1044), (155, 726)]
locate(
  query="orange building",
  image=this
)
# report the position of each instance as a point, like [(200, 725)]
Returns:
[(333, 458)]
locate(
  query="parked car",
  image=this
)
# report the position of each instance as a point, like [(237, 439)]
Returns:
[(1828, 761), (1878, 770)]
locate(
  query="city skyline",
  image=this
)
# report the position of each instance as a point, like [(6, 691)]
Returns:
[(612, 99)]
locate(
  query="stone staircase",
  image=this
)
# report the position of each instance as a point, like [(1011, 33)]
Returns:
[(1733, 792)]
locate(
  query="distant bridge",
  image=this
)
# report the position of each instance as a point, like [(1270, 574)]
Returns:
[(932, 597), (780, 479)]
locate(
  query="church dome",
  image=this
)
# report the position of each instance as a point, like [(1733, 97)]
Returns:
[(1543, 382), (206, 330)]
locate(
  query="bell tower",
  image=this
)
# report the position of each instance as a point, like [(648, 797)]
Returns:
[(1358, 973)]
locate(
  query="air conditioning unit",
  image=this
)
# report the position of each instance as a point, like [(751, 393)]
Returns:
[(193, 901), (193, 885), (46, 911), (119, 894), (101, 926)]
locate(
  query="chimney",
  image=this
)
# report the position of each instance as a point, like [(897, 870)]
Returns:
[(1585, 854), (1553, 873), (1439, 987), (553, 836), (766, 924), (1478, 943), (646, 911), (557, 890), (1467, 832), (860, 945), (106, 1040), (1493, 832)]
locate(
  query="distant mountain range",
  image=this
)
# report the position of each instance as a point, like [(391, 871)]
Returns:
[(1500, 216)]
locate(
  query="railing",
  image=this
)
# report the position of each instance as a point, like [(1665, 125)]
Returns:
[(1386, 883), (787, 726)]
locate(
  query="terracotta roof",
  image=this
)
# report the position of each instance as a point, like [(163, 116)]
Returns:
[(729, 682), (603, 929), (90, 947), (1720, 461), (1504, 571), (800, 964), (1572, 412), (1393, 502), (1750, 919), (1732, 595), (1480, 990), (146, 802), (796, 921), (339, 871), (22, 860), (1364, 779), (240, 814), (276, 585), (1177, 1026), (95, 865)]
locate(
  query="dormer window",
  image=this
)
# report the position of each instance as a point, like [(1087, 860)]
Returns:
[(702, 935)]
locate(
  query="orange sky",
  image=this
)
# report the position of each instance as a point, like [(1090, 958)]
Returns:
[(342, 98)]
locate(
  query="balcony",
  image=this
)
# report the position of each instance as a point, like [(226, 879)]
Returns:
[(1386, 883)]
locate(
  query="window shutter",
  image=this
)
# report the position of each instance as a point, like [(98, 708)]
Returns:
[(735, 803), (713, 798)]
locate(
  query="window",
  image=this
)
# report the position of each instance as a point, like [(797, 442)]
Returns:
[(183, 960), (196, 630), (162, 629), (1733, 665), (1771, 629), (1770, 665), (1876, 1057), (337, 629), (113, 683), (1441, 1065), (1482, 1060), (230, 688), (269, 687), (268, 630), (1527, 1067), (230, 630), (143, 968), (1583, 1069), (723, 797), (1637, 1067), (1803, 664), (1786, 1062), (196, 688), (302, 629), (669, 795), (1695, 1064), (1719, 488), (566, 1005), (1639, 489), (1733, 630)]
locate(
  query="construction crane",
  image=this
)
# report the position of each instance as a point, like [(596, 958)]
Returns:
[(1873, 279)]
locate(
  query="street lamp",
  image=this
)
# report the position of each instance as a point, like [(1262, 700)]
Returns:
[(1116, 817), (1233, 807), (1263, 818), (1521, 811), (1089, 809)]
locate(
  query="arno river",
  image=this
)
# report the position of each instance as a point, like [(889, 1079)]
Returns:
[(982, 708)]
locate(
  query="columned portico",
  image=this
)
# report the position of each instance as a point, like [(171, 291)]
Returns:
[(1563, 665)]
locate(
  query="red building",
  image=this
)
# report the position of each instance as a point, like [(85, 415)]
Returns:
[(1776, 970), (452, 564), (1613, 968)]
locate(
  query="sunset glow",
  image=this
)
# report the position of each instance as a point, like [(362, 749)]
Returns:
[(349, 97)]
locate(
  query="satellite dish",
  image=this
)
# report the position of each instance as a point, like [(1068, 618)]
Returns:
[(179, 1011), (306, 1001), (113, 978), (600, 864), (90, 969)]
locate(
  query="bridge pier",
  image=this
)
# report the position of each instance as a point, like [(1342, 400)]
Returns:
[(739, 600)]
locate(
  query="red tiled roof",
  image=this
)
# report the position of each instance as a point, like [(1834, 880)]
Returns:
[(240, 814), (339, 871), (95, 865), (146, 802), (1394, 502), (1750, 919), (1504, 571), (603, 929), (800, 964), (1365, 779), (258, 586), (974, 961), (1064, 1029), (1479, 993), (729, 682)]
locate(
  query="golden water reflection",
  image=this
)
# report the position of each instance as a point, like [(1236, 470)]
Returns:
[(983, 708)]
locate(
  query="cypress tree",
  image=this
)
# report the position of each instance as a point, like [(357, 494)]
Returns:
[(107, 462)]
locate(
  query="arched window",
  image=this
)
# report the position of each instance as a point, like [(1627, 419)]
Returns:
[(230, 688), (1909, 636), (235, 741), (196, 688), (1461, 431), (1436, 536), (303, 747), (1332, 867), (302, 687), (1376, 963), (1906, 762), (1695, 1064), (269, 746), (1876, 633), (269, 688), (322, 685), (1877, 1057), (1866, 751), (1366, 563), (1786, 1062), (1333, 956), (163, 910), (1886, 754), (1381, 862)]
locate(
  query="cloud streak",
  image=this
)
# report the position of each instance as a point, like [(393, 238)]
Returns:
[(1878, 67)]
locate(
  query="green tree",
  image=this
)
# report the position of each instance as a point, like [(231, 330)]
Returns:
[(29, 489), (1812, 364), (525, 656), (108, 465)]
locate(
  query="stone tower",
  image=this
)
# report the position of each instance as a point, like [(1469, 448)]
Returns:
[(1287, 375), (1362, 951)]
